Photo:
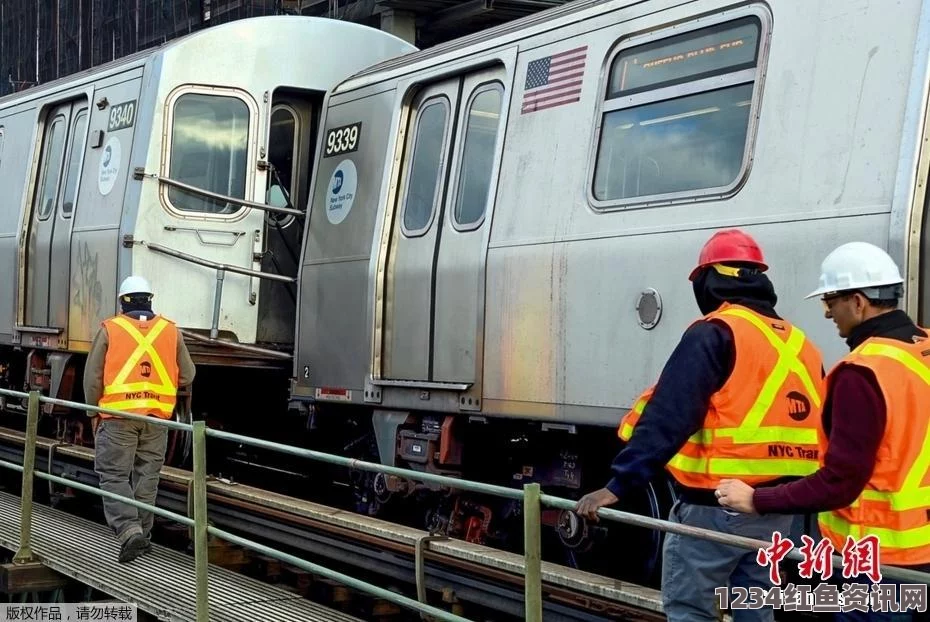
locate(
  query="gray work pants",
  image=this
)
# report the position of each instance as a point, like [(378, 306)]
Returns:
[(128, 457), (692, 568)]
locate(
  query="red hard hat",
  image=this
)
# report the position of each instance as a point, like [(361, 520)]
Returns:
[(727, 246)]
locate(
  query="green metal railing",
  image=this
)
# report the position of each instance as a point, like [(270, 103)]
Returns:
[(530, 496)]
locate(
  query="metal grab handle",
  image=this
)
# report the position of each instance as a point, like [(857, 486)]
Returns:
[(139, 173)]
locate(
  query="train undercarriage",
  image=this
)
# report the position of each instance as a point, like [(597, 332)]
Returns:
[(254, 401)]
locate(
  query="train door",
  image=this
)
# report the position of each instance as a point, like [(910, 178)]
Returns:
[(462, 250), (48, 246), (437, 247)]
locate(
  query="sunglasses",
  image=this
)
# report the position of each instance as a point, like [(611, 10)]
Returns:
[(828, 301)]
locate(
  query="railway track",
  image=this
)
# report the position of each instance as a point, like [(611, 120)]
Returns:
[(472, 580)]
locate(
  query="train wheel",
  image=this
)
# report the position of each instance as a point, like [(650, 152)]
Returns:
[(624, 552)]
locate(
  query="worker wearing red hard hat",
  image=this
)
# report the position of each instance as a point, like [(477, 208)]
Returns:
[(741, 381)]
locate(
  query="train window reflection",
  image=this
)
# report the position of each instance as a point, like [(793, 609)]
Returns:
[(478, 155), (54, 150), (74, 163), (677, 119), (426, 166), (209, 139), (675, 145)]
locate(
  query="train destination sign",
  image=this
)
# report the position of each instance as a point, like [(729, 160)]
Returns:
[(699, 54)]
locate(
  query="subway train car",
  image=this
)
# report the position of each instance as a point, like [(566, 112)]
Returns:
[(501, 230), (187, 164)]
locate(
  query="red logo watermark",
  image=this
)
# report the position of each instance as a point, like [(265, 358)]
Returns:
[(859, 557)]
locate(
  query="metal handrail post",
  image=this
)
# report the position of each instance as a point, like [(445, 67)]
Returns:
[(532, 553), (217, 301), (24, 553), (201, 553)]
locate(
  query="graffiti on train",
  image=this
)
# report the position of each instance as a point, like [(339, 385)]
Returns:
[(88, 292)]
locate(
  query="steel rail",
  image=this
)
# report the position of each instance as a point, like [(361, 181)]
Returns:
[(481, 584)]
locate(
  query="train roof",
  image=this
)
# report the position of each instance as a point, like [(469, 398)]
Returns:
[(456, 48), (264, 25)]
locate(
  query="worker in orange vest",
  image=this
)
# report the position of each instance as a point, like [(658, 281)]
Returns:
[(137, 362), (739, 397), (874, 477)]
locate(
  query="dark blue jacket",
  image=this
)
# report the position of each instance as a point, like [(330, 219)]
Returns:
[(699, 366)]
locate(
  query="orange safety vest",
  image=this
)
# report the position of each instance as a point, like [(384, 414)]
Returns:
[(140, 373), (764, 423), (895, 504)]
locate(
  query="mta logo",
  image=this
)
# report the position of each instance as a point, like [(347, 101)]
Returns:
[(145, 369), (338, 178), (799, 407)]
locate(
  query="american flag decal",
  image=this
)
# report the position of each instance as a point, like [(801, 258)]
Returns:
[(554, 80)]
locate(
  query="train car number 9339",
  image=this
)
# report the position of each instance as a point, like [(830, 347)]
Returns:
[(343, 139)]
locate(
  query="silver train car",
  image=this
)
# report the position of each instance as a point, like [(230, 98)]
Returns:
[(501, 227), (189, 164)]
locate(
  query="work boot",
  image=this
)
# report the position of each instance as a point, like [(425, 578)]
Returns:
[(132, 548)]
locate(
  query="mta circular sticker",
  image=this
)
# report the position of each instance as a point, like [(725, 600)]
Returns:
[(109, 166), (341, 192)]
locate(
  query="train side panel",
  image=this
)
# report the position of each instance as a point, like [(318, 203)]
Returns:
[(65, 126), (567, 272), (603, 202), (102, 200), (335, 338)]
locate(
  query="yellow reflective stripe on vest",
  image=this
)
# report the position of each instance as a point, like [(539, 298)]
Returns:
[(626, 430), (736, 467), (912, 495), (135, 387), (143, 346), (907, 539), (749, 430), (128, 405)]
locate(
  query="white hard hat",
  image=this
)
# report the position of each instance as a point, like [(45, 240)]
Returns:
[(134, 285), (857, 265)]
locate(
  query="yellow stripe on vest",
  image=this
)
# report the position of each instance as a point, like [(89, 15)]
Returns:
[(749, 430)]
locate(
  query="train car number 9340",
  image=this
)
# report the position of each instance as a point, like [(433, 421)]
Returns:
[(343, 139), (122, 116)]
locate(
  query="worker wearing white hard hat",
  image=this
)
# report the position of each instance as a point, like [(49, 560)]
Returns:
[(137, 364), (874, 478), (134, 285)]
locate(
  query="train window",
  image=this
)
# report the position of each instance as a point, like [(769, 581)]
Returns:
[(209, 142), (51, 167), (426, 166), (74, 162), (478, 155), (677, 115)]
